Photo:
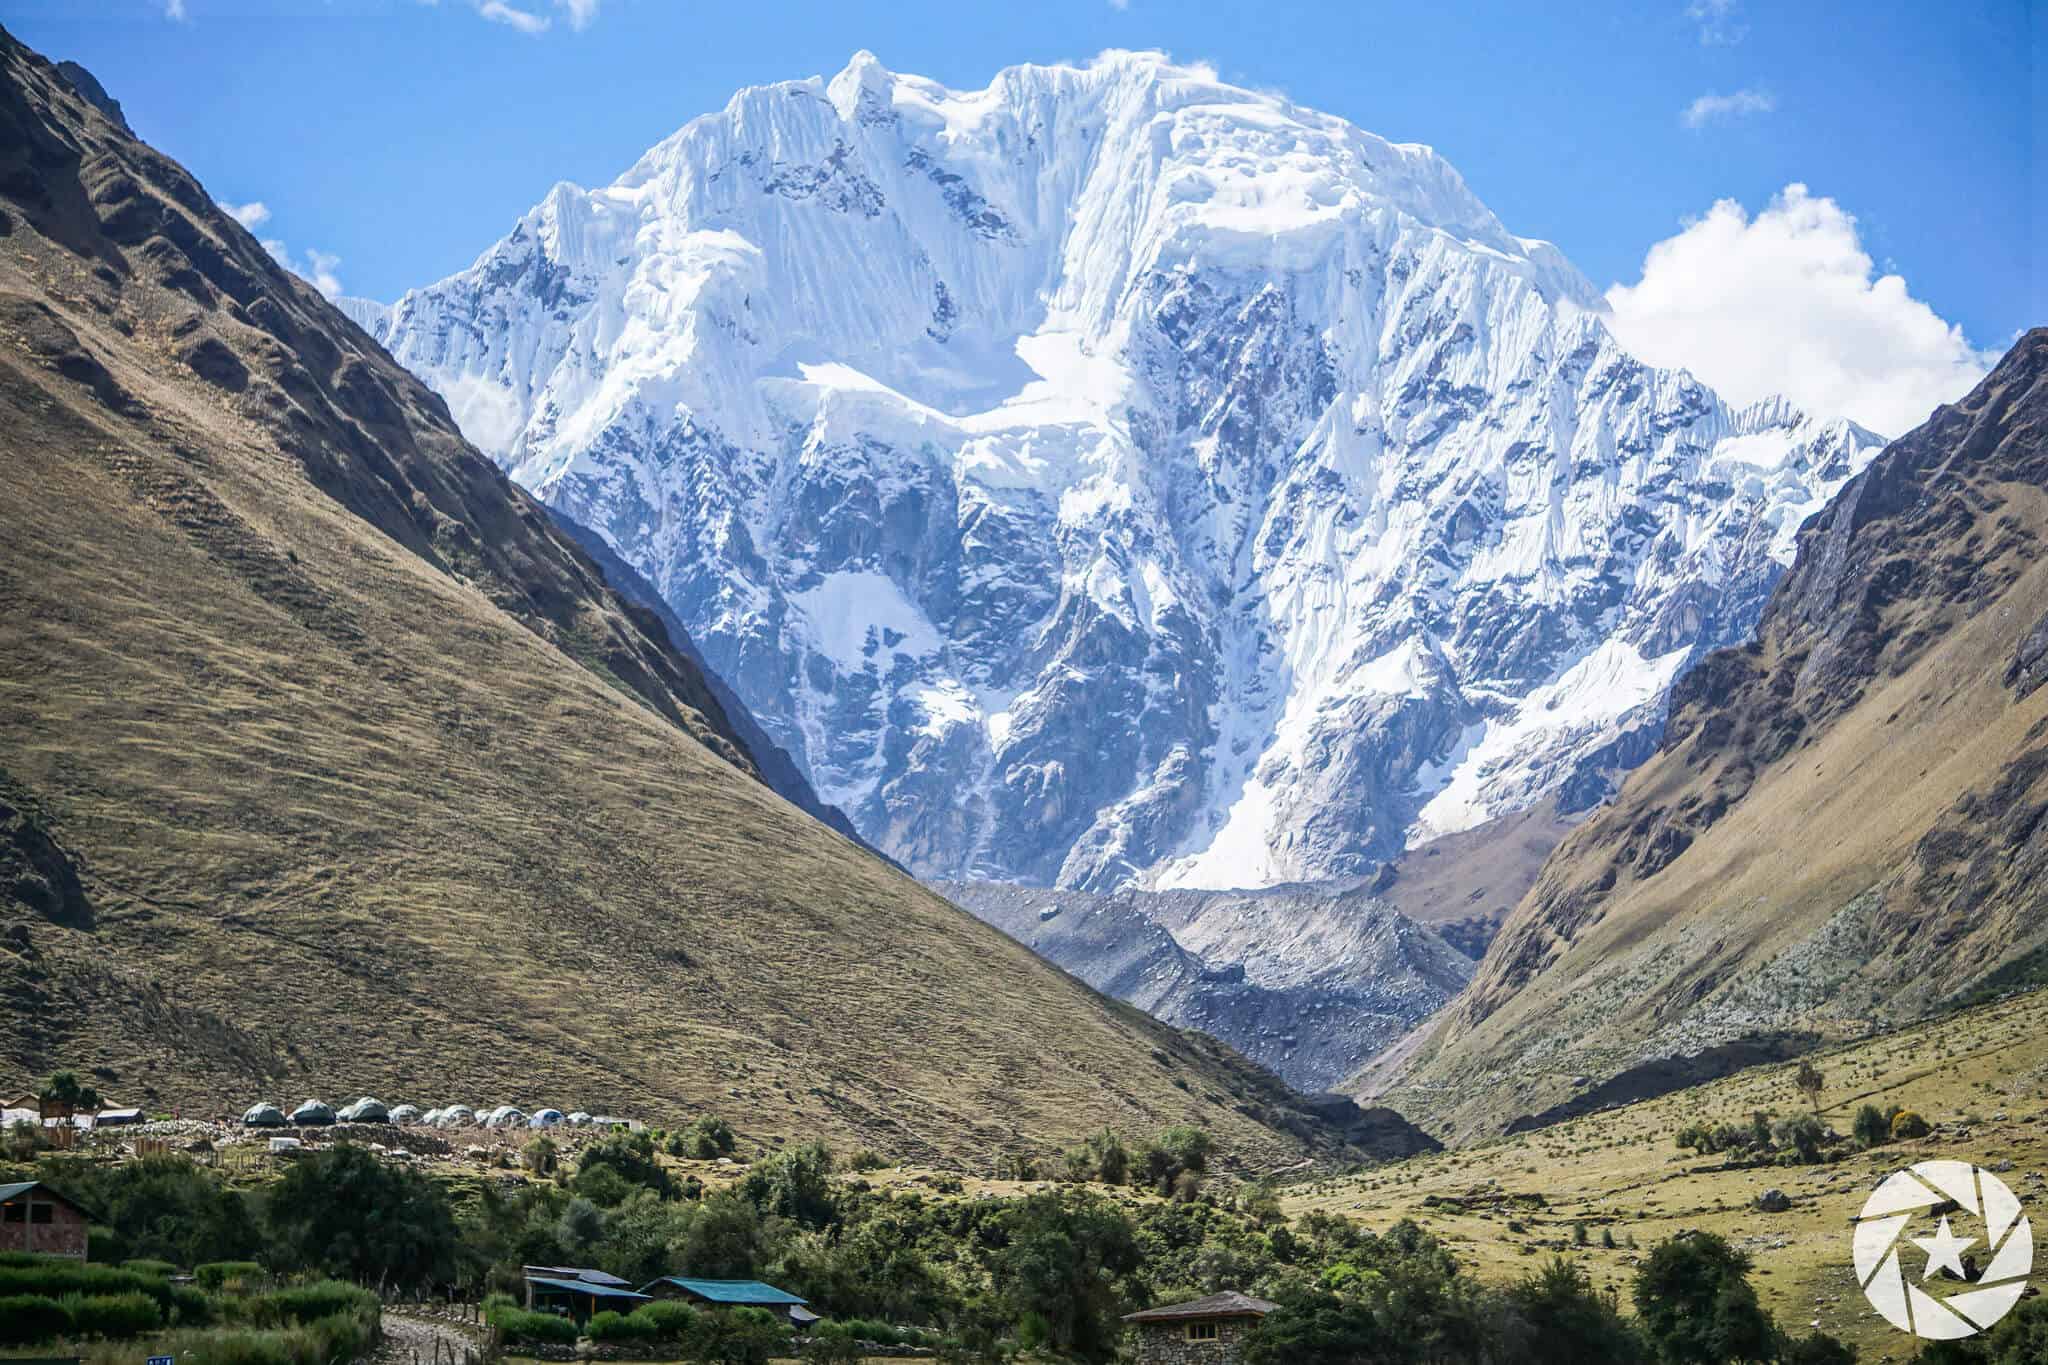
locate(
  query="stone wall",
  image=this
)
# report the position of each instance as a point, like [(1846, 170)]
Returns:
[(1166, 1343)]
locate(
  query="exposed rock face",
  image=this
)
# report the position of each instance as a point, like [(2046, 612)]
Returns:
[(1112, 477), (95, 94), (1309, 981), (1847, 821)]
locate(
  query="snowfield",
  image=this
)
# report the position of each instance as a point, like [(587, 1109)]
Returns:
[(1114, 477)]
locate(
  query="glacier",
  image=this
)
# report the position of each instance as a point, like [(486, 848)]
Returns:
[(1116, 478)]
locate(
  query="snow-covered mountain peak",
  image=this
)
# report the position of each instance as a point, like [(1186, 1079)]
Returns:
[(1114, 475)]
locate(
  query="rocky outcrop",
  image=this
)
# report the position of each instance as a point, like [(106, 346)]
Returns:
[(1309, 981)]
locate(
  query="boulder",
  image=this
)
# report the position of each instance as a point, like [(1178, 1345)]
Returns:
[(1774, 1201)]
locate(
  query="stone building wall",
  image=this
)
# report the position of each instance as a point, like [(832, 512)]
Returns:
[(1166, 1343)]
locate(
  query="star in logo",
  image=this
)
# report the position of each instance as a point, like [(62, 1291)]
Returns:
[(1944, 1251)]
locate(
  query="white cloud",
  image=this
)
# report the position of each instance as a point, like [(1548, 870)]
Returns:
[(1720, 22), (251, 215), (1790, 303), (319, 268), (1709, 107), (581, 12), (175, 9), (498, 12), (1119, 4)]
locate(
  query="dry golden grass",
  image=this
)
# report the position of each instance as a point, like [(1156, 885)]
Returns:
[(1983, 1072), (356, 820)]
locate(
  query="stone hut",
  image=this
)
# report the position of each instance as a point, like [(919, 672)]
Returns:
[(1207, 1331)]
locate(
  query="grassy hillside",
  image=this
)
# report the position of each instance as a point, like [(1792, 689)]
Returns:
[(1845, 823), (331, 767), (1979, 1076)]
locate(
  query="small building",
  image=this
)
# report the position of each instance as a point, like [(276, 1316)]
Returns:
[(576, 1292), (35, 1218), (733, 1294), (1206, 1331)]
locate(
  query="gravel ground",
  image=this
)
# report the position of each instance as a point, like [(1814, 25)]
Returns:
[(407, 1339)]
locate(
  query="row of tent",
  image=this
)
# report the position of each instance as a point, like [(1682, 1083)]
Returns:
[(369, 1110)]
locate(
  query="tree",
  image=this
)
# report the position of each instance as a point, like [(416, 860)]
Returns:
[(795, 1184), (1871, 1127), (1693, 1298), (1112, 1158), (1561, 1319), (630, 1158), (1804, 1134), (1315, 1327), (64, 1095), (540, 1155), (707, 1138), (1810, 1082), (1816, 1349), (343, 1212), (1069, 1258)]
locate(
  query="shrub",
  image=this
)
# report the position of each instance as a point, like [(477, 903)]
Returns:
[(57, 1277), (1871, 1127), (832, 1343), (219, 1275), (1909, 1124), (26, 1319), (119, 1316), (866, 1160), (670, 1321), (189, 1307), (518, 1325), (309, 1303), (1804, 1135), (865, 1329), (144, 1266), (706, 1138), (609, 1326)]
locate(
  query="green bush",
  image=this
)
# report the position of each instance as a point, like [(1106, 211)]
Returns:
[(26, 1319), (146, 1266), (219, 1275), (309, 1303), (610, 1326), (119, 1316), (189, 1307), (832, 1343), (54, 1277), (518, 1325), (1871, 1127), (867, 1329), (670, 1320), (1908, 1123)]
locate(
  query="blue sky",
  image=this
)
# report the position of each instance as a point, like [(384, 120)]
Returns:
[(399, 138)]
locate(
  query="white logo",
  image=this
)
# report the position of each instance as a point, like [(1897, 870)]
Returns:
[(1982, 1297)]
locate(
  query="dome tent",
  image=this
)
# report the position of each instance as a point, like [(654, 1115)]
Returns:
[(544, 1118), (505, 1116), (312, 1112), (579, 1119), (368, 1109), (264, 1115), (456, 1113), (405, 1113)]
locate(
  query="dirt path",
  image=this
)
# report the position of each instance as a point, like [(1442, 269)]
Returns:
[(409, 1339)]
